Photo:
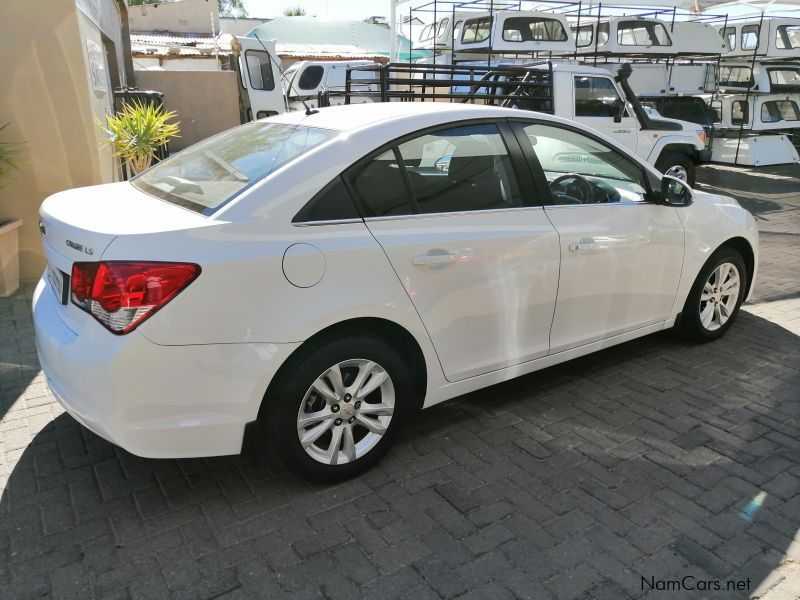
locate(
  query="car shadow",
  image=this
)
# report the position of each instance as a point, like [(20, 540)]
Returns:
[(653, 459)]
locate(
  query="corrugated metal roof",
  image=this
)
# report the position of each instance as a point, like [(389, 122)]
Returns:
[(179, 44)]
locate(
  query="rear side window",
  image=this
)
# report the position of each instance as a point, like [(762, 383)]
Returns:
[(526, 29), (476, 30), (310, 77), (779, 110), (584, 35), (740, 112), (207, 175), (788, 37), (460, 169), (647, 33), (259, 70), (749, 37), (380, 186), (332, 203), (729, 34)]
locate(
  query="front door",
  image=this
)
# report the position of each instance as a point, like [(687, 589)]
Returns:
[(478, 261), (621, 255), (599, 105)]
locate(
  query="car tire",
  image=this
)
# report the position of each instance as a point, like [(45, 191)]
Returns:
[(307, 388), (709, 311), (677, 165)]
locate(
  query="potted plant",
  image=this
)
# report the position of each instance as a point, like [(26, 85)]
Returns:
[(9, 234), (137, 132)]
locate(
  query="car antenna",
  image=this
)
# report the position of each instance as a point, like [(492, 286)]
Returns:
[(309, 110)]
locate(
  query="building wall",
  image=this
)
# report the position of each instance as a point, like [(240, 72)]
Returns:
[(239, 27), (50, 103), (207, 102), (167, 63), (180, 16)]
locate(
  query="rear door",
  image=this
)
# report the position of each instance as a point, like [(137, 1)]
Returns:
[(455, 212), (259, 76)]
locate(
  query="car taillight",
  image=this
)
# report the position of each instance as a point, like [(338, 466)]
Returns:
[(122, 294)]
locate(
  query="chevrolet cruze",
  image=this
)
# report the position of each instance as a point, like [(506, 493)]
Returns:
[(309, 280)]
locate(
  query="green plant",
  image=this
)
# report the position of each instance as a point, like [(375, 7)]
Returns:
[(9, 151), (297, 11), (138, 131)]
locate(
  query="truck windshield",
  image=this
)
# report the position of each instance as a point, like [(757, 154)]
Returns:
[(209, 174)]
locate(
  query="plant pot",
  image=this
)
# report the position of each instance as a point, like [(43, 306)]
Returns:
[(9, 257)]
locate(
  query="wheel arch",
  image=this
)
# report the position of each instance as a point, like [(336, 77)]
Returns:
[(678, 148), (396, 335), (743, 247)]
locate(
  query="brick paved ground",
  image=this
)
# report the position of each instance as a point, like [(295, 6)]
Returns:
[(571, 483)]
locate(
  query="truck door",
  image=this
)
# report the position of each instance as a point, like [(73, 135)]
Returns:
[(259, 75), (598, 104)]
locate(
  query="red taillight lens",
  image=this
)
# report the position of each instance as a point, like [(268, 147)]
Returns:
[(122, 294)]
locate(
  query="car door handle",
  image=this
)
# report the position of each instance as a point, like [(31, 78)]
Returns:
[(582, 247), (435, 258)]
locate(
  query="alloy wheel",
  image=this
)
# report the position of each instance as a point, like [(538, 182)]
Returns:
[(719, 296), (678, 172), (346, 411)]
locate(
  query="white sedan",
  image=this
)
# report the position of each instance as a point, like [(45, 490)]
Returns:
[(309, 280)]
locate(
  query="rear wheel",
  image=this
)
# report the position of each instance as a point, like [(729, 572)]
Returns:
[(715, 297), (678, 165), (338, 407)]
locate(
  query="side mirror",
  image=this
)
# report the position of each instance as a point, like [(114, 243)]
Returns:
[(620, 111), (675, 192)]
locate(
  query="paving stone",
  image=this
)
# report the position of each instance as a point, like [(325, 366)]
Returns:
[(655, 458)]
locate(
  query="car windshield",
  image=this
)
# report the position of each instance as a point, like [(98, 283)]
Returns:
[(207, 175)]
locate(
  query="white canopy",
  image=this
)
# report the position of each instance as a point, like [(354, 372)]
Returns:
[(701, 5)]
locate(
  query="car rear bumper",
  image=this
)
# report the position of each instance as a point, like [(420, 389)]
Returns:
[(154, 401)]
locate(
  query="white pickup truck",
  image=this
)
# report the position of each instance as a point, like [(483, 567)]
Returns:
[(590, 96)]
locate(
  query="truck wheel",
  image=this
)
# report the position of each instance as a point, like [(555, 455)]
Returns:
[(677, 165)]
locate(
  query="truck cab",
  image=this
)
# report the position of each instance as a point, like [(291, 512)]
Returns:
[(596, 98)]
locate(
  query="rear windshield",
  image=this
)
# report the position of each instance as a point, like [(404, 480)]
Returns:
[(207, 175)]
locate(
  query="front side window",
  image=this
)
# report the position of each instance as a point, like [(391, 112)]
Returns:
[(311, 77), (779, 110), (426, 34), (788, 37), (584, 35), (749, 37), (784, 78), (642, 33), (582, 170), (729, 35), (460, 169), (596, 97), (207, 175), (739, 112), (259, 70), (476, 30), (526, 29)]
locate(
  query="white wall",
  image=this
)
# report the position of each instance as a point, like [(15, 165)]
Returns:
[(181, 16), (153, 63)]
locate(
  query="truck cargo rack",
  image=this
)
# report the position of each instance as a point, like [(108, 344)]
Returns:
[(528, 86)]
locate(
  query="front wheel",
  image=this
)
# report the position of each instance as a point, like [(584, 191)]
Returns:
[(715, 297), (677, 165), (338, 407)]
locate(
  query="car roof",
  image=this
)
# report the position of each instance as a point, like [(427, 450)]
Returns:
[(351, 117)]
